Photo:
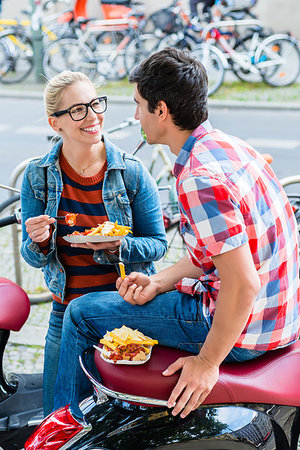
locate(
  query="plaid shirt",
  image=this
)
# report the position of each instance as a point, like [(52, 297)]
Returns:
[(228, 196)]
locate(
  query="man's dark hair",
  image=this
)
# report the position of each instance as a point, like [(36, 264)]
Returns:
[(179, 80)]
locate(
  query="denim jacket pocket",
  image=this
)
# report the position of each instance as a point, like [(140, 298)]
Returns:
[(41, 193), (124, 209)]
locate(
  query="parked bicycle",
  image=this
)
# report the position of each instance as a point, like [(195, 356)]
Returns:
[(241, 44), (31, 279), (106, 48), (274, 59), (16, 46)]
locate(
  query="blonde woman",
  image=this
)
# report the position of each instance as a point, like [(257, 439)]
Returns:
[(84, 173)]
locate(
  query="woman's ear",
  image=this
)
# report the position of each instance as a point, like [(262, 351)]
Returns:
[(53, 124)]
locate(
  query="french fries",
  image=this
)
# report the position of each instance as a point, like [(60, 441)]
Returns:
[(125, 343), (122, 270), (104, 229)]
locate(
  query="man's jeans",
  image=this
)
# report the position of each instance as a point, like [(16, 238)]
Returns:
[(174, 319), (52, 352)]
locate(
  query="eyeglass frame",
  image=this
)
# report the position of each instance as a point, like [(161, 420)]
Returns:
[(87, 105)]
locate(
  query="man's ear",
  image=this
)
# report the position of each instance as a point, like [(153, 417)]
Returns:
[(53, 123), (163, 110)]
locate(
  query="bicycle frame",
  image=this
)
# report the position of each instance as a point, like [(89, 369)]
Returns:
[(211, 33), (15, 24)]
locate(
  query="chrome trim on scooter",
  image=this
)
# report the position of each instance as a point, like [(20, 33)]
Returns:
[(35, 422), (86, 428), (101, 389)]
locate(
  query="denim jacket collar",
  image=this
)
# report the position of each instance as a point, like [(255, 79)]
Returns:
[(114, 155)]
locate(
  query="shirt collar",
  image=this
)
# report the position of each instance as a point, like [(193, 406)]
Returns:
[(184, 153)]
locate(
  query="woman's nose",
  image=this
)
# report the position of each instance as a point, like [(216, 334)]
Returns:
[(92, 113)]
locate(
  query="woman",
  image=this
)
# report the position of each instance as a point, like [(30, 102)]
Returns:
[(84, 173)]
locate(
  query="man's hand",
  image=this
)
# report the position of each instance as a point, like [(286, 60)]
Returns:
[(196, 380), (137, 288)]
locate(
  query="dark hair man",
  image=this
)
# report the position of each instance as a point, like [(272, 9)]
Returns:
[(236, 295)]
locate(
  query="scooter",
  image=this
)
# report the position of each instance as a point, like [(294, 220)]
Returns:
[(21, 395), (255, 404)]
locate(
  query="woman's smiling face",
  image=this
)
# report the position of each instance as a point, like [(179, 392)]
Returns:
[(87, 130)]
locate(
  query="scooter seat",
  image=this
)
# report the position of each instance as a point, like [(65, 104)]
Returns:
[(272, 378), (14, 305)]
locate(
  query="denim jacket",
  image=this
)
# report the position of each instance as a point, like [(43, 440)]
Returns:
[(130, 196)]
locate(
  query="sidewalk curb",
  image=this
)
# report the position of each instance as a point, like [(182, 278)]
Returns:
[(233, 104), (29, 335)]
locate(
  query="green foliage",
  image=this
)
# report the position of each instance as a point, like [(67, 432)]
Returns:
[(236, 90), (261, 92)]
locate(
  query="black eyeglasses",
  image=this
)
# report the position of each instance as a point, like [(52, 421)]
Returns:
[(80, 110)]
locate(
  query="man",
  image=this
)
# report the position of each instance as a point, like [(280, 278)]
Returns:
[(236, 294)]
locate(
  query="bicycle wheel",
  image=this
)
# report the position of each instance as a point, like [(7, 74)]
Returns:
[(19, 56), (68, 54), (292, 187), (244, 48), (138, 49), (176, 245), (278, 59), (11, 203), (4, 56), (209, 57), (179, 41), (110, 51)]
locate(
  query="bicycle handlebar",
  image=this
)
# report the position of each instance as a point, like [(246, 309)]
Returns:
[(9, 220)]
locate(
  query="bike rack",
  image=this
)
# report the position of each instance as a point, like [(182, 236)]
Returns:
[(34, 298)]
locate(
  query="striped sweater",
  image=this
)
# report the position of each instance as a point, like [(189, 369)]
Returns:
[(83, 196)]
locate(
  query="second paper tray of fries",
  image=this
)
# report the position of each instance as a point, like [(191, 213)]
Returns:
[(125, 346)]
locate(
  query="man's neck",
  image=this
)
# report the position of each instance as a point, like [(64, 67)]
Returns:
[(176, 140)]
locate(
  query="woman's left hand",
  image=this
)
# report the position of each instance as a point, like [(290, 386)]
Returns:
[(110, 246)]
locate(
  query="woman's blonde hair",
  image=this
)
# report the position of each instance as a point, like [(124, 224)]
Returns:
[(56, 87)]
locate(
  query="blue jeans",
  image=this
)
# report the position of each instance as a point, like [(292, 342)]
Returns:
[(52, 352), (174, 319)]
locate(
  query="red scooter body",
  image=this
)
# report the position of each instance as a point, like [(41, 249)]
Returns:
[(21, 395), (255, 404)]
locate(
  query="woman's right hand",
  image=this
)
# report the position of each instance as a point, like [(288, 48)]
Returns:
[(137, 288), (38, 228)]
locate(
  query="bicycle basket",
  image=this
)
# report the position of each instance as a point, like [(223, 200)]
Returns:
[(165, 20)]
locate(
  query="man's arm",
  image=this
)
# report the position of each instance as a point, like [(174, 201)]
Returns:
[(167, 278), (239, 287)]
